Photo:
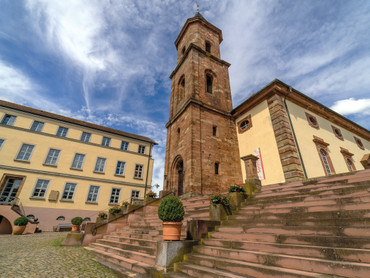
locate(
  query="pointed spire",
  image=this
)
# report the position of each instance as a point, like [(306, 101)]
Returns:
[(197, 14)]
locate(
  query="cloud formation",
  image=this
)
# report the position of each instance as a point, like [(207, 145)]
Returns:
[(352, 106)]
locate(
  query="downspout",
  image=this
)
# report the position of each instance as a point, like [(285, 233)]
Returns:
[(294, 136), (147, 170)]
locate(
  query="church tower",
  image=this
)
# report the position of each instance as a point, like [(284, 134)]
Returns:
[(202, 152)]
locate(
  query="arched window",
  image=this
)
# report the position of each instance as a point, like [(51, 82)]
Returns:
[(209, 81), (325, 162), (31, 216), (61, 218), (208, 47), (88, 219), (181, 88)]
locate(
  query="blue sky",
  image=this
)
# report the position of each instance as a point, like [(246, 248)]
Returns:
[(109, 62)]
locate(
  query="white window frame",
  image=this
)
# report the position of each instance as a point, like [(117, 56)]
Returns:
[(94, 194), (106, 140), (124, 145), (26, 151), (52, 158), (84, 135), (120, 168), (138, 171), (37, 126), (74, 161), (116, 196), (62, 131), (2, 142), (69, 191), (141, 149), (42, 186), (99, 168), (11, 120)]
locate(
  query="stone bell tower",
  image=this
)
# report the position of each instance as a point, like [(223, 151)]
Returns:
[(202, 152)]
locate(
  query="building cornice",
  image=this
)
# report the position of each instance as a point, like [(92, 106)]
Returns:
[(195, 47), (293, 95), (61, 118)]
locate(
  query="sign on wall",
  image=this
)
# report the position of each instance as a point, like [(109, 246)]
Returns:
[(259, 164)]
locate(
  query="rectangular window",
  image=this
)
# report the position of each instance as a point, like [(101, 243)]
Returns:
[(69, 191), (78, 161), (25, 152), (114, 196), (40, 188), (62, 131), (141, 149), (134, 195), (217, 166), (120, 170), (105, 141), (37, 126), (100, 165), (92, 196), (85, 137), (8, 119), (138, 171), (52, 157), (124, 145), (1, 142), (214, 130)]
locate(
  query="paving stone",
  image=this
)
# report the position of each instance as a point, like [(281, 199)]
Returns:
[(39, 255)]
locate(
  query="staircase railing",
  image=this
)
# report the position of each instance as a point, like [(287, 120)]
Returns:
[(17, 207), (95, 227)]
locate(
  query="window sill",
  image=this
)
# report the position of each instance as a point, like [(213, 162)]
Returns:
[(67, 201), (23, 161), (38, 198), (101, 173), (76, 169), (138, 178), (91, 203), (50, 165), (121, 176), (113, 204)]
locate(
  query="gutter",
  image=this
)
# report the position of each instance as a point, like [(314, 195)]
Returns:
[(147, 170)]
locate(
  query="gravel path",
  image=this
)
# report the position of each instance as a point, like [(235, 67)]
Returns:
[(40, 255)]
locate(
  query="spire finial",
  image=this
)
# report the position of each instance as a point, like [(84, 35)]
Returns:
[(197, 8)]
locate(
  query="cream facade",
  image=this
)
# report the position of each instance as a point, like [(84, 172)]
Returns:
[(60, 167), (297, 137)]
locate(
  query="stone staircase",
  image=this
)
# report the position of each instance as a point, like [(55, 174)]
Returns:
[(319, 228), (131, 249)]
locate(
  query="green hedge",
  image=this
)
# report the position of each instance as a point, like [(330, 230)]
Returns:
[(171, 209)]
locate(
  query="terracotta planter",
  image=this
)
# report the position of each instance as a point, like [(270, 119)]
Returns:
[(18, 230), (75, 228), (217, 212), (172, 230)]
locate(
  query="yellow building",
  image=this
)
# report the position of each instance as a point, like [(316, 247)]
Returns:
[(296, 137), (59, 167)]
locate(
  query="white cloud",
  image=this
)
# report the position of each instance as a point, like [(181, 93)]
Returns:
[(352, 106)]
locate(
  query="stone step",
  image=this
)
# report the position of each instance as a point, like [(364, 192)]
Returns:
[(320, 240), (126, 246), (132, 255), (133, 241), (235, 262), (302, 201), (137, 231), (132, 266), (137, 236), (276, 221), (322, 252), (236, 269), (299, 230)]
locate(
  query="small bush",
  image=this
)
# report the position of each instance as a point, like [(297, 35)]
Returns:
[(219, 199), (236, 188), (21, 221), (77, 221), (115, 210), (171, 209)]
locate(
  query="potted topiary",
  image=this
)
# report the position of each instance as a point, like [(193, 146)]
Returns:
[(171, 212), (20, 225), (76, 222)]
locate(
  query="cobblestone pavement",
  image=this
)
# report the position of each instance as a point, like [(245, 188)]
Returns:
[(39, 255)]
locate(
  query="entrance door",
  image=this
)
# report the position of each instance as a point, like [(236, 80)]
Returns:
[(10, 190), (180, 170)]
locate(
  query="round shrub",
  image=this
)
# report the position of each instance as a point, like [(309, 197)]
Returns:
[(77, 221), (171, 209), (21, 221)]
